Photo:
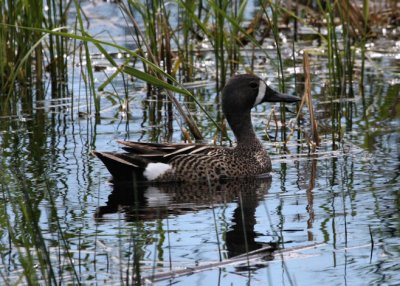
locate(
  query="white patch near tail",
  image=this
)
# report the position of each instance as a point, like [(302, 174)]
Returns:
[(154, 170), (261, 92)]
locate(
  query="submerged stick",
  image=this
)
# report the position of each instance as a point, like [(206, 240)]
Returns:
[(244, 258)]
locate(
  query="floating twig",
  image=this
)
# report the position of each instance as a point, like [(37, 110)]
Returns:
[(243, 258)]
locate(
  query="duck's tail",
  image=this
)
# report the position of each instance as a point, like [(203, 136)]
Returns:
[(123, 166)]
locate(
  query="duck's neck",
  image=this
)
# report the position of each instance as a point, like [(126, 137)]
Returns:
[(242, 127)]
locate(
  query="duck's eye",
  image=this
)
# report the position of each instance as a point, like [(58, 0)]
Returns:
[(254, 84)]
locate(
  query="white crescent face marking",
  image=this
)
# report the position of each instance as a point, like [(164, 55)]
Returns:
[(261, 92), (154, 170)]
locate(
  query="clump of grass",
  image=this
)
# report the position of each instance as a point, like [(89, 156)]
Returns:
[(23, 53)]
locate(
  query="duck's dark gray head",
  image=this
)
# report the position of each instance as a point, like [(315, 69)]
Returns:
[(243, 92), (239, 96)]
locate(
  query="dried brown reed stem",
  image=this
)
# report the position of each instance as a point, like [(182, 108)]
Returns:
[(272, 115), (308, 99), (353, 16), (186, 135), (257, 25)]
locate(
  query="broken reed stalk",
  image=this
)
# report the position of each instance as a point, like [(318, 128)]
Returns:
[(186, 135), (308, 99), (272, 115)]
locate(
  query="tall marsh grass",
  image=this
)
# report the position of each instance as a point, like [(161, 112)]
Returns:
[(36, 44), (169, 36), (25, 56)]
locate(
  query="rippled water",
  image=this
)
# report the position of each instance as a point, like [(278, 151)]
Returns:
[(326, 216)]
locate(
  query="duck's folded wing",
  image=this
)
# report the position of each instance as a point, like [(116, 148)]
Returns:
[(162, 152), (132, 164)]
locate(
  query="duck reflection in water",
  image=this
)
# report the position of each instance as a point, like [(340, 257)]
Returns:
[(146, 203)]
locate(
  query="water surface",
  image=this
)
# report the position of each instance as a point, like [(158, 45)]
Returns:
[(327, 215)]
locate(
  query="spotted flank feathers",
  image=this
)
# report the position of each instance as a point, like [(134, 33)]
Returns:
[(154, 162)]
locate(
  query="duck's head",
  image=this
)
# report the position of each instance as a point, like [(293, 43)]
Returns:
[(243, 92), (239, 96)]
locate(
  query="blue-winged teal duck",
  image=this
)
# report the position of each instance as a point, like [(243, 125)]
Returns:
[(154, 162)]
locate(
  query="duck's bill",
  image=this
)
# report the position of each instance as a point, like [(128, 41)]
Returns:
[(274, 96)]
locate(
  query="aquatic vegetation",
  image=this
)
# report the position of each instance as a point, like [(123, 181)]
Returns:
[(26, 57), (171, 50), (67, 87)]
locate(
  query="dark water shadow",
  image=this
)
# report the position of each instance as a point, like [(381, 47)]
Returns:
[(147, 203)]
